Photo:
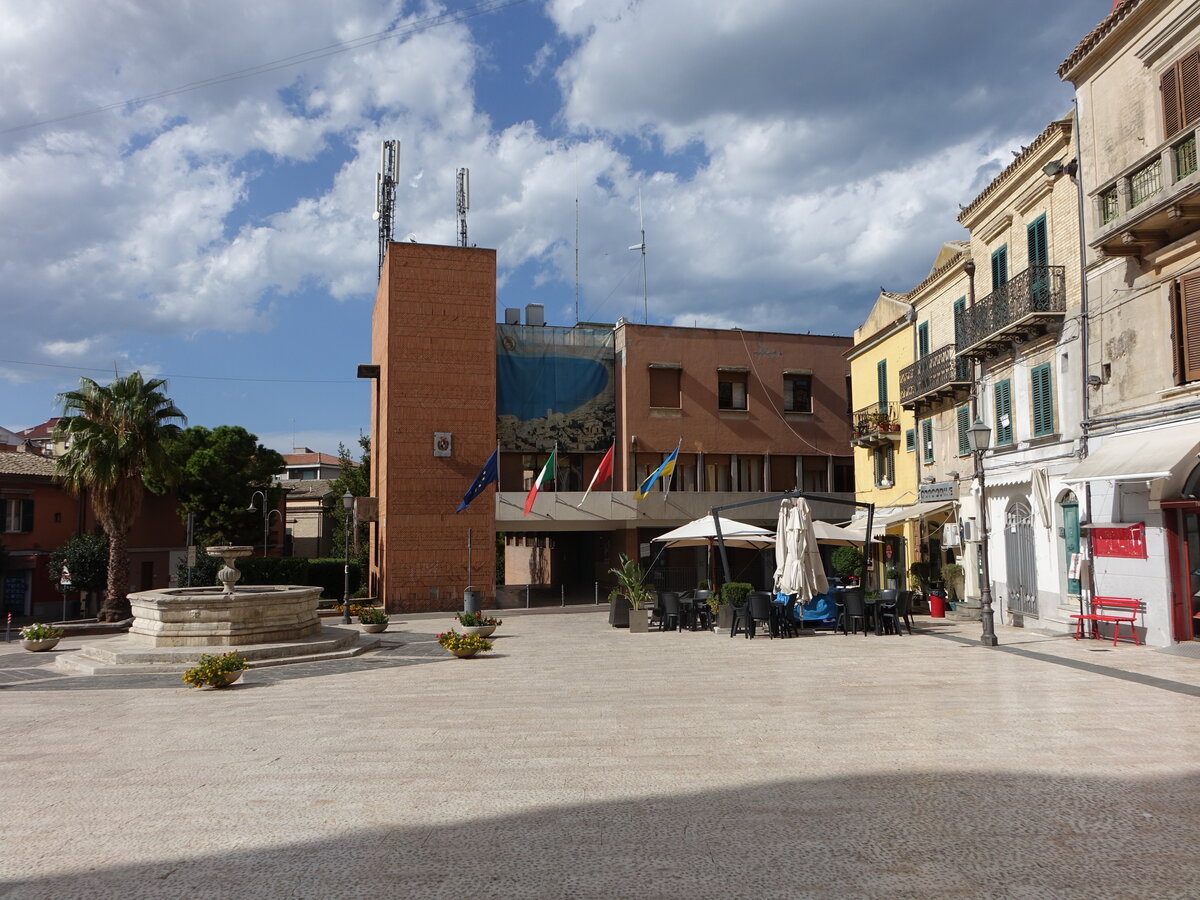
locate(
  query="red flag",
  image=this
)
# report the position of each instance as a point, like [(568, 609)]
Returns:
[(603, 472)]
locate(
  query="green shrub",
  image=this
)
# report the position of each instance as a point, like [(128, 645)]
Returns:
[(274, 570), (848, 560), (329, 574), (735, 593)]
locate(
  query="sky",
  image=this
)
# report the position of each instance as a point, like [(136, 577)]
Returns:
[(187, 189)]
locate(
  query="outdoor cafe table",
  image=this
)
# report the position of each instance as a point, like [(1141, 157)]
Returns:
[(871, 604)]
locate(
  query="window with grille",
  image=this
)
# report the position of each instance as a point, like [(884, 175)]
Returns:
[(1002, 397), (1042, 396), (797, 393), (963, 417), (1145, 183), (1110, 207), (1185, 158)]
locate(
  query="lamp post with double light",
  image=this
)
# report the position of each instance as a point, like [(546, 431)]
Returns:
[(347, 504), (979, 437), (267, 513)]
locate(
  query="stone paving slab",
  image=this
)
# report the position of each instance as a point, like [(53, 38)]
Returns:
[(579, 761)]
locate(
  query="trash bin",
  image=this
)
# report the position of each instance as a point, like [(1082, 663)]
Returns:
[(937, 606), (471, 600)]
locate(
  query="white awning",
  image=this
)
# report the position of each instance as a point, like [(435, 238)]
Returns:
[(1140, 456), (887, 516)]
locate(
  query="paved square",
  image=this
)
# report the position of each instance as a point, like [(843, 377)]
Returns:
[(582, 761)]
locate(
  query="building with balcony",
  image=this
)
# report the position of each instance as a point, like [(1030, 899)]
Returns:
[(883, 429), (1021, 333), (750, 413), (1135, 77)]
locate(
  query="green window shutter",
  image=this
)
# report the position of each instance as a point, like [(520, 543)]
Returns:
[(1043, 400), (1000, 267), (881, 379), (927, 440), (959, 305), (964, 422), (1039, 253), (922, 340), (878, 465), (910, 440), (1002, 393)]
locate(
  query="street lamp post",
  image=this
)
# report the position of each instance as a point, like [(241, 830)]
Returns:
[(979, 436), (267, 513), (347, 504)]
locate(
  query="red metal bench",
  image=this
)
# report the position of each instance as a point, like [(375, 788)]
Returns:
[(1117, 610)]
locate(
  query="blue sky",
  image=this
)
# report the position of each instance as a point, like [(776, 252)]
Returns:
[(790, 156)]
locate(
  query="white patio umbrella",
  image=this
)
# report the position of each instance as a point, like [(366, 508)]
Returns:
[(702, 532), (803, 572), (835, 534)]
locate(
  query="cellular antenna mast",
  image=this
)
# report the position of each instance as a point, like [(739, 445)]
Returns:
[(642, 247), (385, 194), (464, 203)]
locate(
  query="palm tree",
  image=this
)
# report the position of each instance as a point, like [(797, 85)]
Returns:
[(115, 439)]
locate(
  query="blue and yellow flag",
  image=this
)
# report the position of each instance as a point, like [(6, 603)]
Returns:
[(666, 470)]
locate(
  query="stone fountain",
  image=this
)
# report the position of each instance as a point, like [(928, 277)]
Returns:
[(267, 624)]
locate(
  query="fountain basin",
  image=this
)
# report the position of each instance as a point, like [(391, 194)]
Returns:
[(212, 617)]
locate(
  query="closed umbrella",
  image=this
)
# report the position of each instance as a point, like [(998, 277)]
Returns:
[(803, 571)]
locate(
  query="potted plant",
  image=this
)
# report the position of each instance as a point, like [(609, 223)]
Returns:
[(477, 623), (373, 619), (216, 671), (848, 561), (630, 590), (892, 576), (952, 576), (38, 637), (733, 596), (464, 646)]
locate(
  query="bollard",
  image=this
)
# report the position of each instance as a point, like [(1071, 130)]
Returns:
[(527, 596), (596, 588), (562, 595)]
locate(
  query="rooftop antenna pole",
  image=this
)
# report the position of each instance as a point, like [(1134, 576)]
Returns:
[(577, 236), (464, 203), (642, 247), (385, 195)]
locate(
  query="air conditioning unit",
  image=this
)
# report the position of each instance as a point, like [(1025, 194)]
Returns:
[(950, 535), (969, 530)]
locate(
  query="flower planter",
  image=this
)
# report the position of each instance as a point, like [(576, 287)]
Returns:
[(465, 653), (375, 628), (38, 646), (227, 678), (481, 630), (639, 621)]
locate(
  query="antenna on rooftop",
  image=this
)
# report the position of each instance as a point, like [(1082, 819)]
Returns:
[(385, 194), (642, 247), (464, 203)]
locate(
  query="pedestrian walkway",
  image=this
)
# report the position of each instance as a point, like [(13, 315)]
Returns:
[(581, 761)]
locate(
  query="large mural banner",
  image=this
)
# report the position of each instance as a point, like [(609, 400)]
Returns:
[(555, 385)]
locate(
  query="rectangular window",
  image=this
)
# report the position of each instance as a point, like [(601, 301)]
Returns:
[(881, 382), (959, 306), (1039, 249), (884, 467), (910, 440), (927, 440), (922, 340), (731, 390), (797, 393), (664, 387), (1002, 397), (1187, 329), (1042, 390), (963, 415), (1180, 89), (1000, 267), (16, 516)]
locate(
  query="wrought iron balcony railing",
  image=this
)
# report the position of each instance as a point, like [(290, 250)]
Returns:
[(1022, 307), (876, 423), (937, 374)]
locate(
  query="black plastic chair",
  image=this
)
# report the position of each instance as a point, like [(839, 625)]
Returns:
[(787, 617), (700, 609), (656, 611), (888, 610), (672, 615), (854, 611), (741, 620), (758, 605), (904, 609)]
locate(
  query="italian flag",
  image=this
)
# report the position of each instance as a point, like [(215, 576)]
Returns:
[(547, 475)]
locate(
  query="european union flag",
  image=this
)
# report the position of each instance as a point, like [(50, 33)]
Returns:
[(488, 474)]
